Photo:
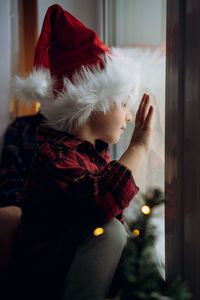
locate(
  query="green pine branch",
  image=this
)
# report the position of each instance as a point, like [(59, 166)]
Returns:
[(140, 278)]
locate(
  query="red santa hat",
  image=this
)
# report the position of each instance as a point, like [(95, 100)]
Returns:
[(75, 73)]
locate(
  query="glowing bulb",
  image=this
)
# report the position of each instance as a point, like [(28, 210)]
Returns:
[(136, 232), (37, 106), (146, 210), (98, 231)]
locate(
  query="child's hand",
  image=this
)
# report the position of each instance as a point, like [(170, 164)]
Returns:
[(141, 137), (143, 124)]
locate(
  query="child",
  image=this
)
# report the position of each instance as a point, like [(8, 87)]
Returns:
[(85, 90)]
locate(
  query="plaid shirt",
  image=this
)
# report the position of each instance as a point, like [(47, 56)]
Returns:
[(18, 150), (71, 179)]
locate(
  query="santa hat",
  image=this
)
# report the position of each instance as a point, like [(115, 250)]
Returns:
[(75, 73)]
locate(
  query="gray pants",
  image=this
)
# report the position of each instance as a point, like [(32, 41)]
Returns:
[(94, 265)]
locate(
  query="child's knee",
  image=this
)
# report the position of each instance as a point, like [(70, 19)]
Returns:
[(115, 233), (9, 226)]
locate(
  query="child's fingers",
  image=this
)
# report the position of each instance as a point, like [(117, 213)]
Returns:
[(149, 118), (138, 114), (144, 110)]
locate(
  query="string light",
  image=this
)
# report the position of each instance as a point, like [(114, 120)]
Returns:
[(37, 106), (98, 231), (136, 232), (146, 209)]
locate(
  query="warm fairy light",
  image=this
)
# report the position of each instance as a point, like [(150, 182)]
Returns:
[(37, 106), (98, 231), (136, 232), (146, 209)]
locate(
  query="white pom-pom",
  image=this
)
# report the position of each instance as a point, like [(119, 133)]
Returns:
[(36, 87)]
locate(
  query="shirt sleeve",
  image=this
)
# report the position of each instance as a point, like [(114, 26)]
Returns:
[(103, 194), (11, 178)]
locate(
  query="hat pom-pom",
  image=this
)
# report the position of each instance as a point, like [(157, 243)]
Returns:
[(36, 87)]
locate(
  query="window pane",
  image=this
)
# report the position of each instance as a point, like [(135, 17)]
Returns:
[(138, 28)]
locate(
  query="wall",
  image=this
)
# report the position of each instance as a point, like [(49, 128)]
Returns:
[(86, 11), (5, 63)]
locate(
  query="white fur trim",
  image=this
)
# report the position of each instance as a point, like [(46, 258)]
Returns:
[(152, 68), (91, 89)]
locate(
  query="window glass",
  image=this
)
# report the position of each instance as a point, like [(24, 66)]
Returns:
[(138, 27)]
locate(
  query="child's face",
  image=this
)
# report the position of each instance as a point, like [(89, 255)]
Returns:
[(109, 127)]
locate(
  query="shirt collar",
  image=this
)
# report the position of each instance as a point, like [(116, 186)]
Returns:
[(46, 134)]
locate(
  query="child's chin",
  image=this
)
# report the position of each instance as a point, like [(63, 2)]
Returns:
[(113, 140)]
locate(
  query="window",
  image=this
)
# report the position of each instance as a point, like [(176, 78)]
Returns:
[(138, 27)]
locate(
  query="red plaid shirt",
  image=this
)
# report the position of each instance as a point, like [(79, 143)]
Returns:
[(73, 187), (73, 184)]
